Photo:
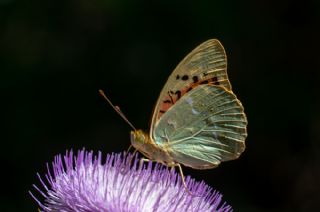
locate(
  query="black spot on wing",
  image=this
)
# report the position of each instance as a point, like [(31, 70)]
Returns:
[(204, 82), (178, 93), (185, 77), (170, 95), (215, 80), (195, 79)]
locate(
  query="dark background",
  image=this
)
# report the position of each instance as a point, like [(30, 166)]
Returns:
[(55, 55)]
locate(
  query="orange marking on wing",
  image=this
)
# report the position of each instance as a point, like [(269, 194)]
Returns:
[(172, 98)]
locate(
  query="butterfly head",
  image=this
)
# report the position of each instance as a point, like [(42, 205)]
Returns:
[(138, 138)]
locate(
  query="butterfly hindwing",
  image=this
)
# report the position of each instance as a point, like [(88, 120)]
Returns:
[(205, 127), (206, 64)]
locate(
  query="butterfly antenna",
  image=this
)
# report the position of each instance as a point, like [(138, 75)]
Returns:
[(117, 109)]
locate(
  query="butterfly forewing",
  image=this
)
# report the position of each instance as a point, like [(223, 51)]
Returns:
[(205, 127), (206, 64)]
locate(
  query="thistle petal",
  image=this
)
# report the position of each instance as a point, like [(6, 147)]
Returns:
[(85, 182)]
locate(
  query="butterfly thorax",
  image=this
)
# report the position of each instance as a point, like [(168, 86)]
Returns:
[(146, 145)]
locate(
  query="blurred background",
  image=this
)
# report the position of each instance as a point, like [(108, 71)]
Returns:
[(55, 55)]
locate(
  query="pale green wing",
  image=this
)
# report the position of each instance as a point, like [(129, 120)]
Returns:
[(205, 127), (206, 63)]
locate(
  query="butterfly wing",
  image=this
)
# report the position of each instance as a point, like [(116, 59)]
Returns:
[(205, 127), (205, 64)]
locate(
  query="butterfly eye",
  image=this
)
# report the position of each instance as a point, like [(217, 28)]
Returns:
[(137, 137), (141, 136)]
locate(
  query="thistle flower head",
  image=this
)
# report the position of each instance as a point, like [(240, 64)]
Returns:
[(85, 182)]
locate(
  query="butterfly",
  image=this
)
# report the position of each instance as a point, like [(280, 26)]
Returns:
[(197, 120)]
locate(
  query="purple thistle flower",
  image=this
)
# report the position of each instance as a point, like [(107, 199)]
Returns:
[(85, 183)]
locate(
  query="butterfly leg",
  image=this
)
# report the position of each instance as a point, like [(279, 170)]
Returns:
[(127, 165), (129, 149), (132, 156), (142, 161), (181, 174)]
